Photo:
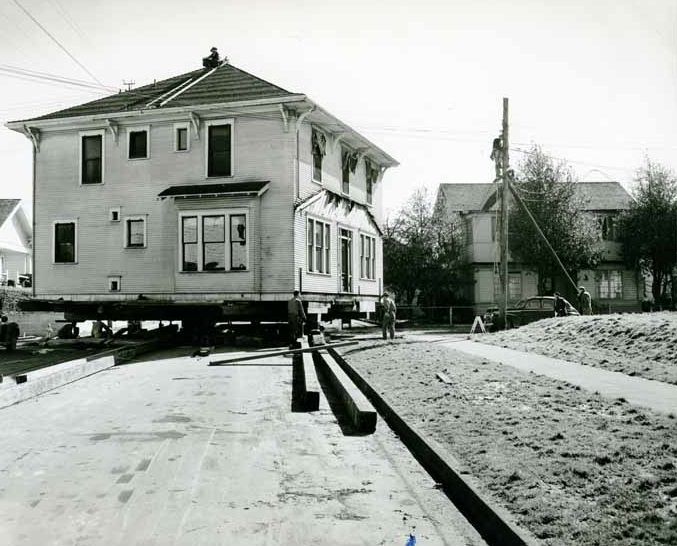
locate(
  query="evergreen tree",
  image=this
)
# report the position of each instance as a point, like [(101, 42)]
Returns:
[(549, 190), (649, 228)]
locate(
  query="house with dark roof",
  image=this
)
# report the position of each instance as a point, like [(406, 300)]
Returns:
[(611, 285), (214, 189), (15, 244)]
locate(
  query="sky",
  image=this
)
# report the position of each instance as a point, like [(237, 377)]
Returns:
[(594, 82)]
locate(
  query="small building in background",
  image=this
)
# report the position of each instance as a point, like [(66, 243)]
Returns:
[(612, 285), (16, 238)]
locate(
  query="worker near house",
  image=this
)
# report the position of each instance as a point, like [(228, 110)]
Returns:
[(296, 316), (389, 311), (560, 306), (584, 301)]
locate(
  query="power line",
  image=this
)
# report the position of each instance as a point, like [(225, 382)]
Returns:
[(25, 73), (66, 17), (57, 42), (529, 152)]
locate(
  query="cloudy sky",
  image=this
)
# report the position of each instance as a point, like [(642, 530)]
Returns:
[(592, 81)]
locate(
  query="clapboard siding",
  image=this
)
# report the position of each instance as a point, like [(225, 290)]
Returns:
[(262, 151), (338, 217)]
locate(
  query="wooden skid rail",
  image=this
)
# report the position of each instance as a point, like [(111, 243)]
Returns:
[(229, 361)]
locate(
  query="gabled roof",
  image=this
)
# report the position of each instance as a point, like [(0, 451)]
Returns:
[(465, 197), (596, 196), (604, 195), (205, 86), (7, 206)]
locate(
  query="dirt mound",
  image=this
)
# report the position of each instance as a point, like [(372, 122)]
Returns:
[(635, 344)]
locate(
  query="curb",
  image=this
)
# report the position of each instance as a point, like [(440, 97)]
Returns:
[(32, 384), (494, 523)]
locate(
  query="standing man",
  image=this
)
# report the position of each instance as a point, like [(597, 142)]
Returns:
[(389, 310), (297, 317), (585, 301), (560, 306)]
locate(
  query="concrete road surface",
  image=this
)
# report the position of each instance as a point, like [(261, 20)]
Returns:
[(172, 452)]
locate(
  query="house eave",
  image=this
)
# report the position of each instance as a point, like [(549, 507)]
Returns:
[(166, 112)]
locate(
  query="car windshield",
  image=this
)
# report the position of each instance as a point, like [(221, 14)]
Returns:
[(520, 304)]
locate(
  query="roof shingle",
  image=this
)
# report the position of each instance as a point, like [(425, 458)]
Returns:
[(596, 195), (6, 208), (225, 84)]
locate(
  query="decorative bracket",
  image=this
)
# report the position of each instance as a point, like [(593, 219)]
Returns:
[(361, 152), (34, 135), (337, 138), (113, 126), (195, 121), (285, 116), (303, 116)]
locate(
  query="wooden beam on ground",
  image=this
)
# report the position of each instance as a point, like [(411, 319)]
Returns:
[(280, 353), (443, 377)]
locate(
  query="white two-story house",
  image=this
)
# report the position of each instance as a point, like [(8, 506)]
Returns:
[(612, 286), (15, 244), (210, 194)]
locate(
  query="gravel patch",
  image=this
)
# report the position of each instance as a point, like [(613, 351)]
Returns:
[(572, 467)]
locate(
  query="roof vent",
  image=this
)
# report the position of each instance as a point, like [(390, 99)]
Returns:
[(213, 60)]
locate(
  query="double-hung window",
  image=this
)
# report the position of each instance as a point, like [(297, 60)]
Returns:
[(609, 284), (219, 148), (214, 240), (65, 242), (318, 242), (135, 232), (91, 157), (181, 137), (367, 257), (318, 148), (137, 143)]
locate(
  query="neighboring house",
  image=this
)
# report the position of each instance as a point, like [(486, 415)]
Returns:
[(15, 243), (611, 285), (214, 186)]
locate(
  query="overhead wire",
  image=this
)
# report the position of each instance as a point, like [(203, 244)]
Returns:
[(61, 46), (13, 70), (66, 17)]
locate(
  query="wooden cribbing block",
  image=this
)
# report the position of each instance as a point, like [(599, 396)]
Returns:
[(360, 411), (305, 387)]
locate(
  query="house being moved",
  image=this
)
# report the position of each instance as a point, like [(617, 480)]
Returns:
[(208, 196)]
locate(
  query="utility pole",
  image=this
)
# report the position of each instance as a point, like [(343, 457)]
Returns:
[(505, 175)]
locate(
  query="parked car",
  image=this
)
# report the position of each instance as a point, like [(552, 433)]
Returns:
[(524, 311)]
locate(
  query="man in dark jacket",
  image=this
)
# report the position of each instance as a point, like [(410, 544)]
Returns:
[(560, 306), (297, 317)]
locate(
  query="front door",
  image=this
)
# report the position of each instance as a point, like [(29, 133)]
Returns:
[(346, 239)]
